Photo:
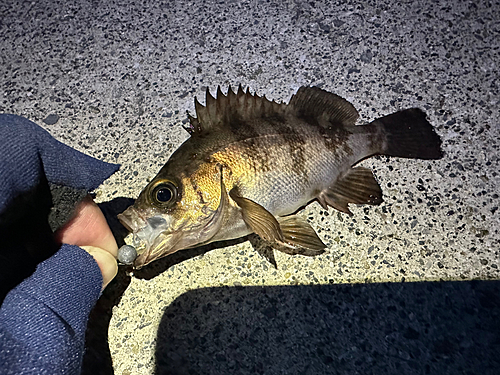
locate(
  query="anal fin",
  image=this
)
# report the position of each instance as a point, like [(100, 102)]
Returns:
[(357, 186)]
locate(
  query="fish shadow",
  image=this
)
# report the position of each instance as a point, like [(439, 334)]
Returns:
[(97, 358), (386, 328), (161, 265)]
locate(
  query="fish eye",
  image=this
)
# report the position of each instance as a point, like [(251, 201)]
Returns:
[(164, 193)]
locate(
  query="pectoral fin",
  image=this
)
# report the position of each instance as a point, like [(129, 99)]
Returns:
[(299, 238), (290, 235), (260, 221), (357, 186)]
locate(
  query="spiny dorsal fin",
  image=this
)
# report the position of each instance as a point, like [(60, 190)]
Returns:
[(194, 125), (241, 104), (315, 103)]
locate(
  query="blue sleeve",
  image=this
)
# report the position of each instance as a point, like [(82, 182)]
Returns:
[(43, 319), (28, 152)]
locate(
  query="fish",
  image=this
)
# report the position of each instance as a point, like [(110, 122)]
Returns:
[(250, 164)]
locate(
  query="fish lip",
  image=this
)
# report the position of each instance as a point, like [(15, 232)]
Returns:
[(132, 219), (152, 238), (173, 239), (147, 236), (142, 260)]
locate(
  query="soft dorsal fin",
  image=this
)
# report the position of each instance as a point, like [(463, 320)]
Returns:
[(313, 103), (241, 104)]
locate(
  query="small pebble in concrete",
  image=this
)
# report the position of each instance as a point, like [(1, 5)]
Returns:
[(51, 119)]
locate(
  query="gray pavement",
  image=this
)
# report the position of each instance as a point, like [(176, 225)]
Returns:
[(394, 293)]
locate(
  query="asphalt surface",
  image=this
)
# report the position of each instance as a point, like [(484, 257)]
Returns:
[(408, 287)]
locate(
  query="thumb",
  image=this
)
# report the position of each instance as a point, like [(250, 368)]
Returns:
[(88, 228), (106, 262)]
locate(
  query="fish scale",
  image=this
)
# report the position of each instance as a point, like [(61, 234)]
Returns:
[(250, 163), (272, 178)]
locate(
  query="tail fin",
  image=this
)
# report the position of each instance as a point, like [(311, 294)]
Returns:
[(410, 135)]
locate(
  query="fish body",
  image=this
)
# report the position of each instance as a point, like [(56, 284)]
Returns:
[(251, 163)]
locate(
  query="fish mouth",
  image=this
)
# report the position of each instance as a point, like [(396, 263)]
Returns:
[(162, 244), (151, 236), (154, 237)]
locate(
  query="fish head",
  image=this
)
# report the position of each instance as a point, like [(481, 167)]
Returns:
[(173, 213)]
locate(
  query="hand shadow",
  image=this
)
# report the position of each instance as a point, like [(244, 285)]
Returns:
[(97, 357)]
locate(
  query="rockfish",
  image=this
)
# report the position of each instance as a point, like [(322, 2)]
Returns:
[(251, 163)]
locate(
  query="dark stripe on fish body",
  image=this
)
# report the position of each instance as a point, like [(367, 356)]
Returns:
[(338, 134), (242, 129), (377, 137), (196, 188), (307, 117), (275, 118), (335, 137), (259, 154), (296, 143)]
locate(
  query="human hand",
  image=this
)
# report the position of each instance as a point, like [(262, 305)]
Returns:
[(88, 229), (33, 168), (47, 290)]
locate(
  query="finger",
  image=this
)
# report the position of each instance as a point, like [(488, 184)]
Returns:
[(106, 262), (88, 227)]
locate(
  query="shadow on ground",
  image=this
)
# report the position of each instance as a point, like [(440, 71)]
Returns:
[(392, 328), (97, 357)]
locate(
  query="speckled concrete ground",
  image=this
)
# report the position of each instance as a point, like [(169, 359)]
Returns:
[(114, 79)]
